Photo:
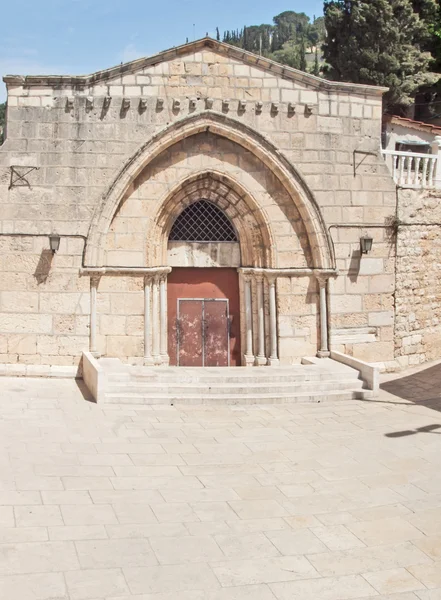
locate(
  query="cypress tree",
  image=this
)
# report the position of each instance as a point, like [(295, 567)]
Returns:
[(377, 42), (217, 34), (316, 68), (302, 55)]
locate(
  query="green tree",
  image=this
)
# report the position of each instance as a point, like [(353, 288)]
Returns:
[(302, 55), (378, 42), (288, 55), (288, 40), (316, 68)]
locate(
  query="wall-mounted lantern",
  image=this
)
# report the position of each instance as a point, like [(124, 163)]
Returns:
[(54, 242), (366, 244)]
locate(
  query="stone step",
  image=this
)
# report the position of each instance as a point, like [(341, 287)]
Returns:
[(222, 388), (167, 399), (235, 376)]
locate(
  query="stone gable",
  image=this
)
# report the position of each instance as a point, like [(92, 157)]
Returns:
[(294, 162)]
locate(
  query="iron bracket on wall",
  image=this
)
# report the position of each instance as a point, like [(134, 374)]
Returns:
[(365, 153), (19, 174)]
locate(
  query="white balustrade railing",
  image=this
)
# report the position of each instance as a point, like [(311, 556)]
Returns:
[(412, 170)]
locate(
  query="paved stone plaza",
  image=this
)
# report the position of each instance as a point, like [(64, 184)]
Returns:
[(327, 501)]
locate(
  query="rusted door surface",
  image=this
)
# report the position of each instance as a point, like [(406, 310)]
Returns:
[(190, 333), (202, 330), (216, 351), (195, 285)]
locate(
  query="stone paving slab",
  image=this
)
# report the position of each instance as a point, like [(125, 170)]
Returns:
[(339, 500)]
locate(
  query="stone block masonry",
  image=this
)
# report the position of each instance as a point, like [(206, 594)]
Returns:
[(418, 278), (289, 158)]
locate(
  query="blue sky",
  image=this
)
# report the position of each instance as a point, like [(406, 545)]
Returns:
[(83, 36)]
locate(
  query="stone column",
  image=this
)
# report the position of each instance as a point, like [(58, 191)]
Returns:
[(260, 358), (323, 284), (249, 354), (94, 280), (163, 319), (155, 321), (436, 150), (274, 358), (148, 359)]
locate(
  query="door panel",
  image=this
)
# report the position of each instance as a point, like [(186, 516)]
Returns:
[(199, 284), (216, 350), (189, 332)]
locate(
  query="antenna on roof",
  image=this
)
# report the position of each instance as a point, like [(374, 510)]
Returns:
[(194, 32)]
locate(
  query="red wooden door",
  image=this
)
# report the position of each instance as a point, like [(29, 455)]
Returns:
[(216, 350), (202, 332), (195, 285), (190, 333)]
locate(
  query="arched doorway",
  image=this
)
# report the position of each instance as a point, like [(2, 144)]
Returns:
[(203, 288)]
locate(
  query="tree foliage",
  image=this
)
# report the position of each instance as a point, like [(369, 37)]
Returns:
[(289, 40), (380, 42)]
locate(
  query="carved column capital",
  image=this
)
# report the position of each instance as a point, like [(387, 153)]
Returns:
[(322, 278), (95, 279), (270, 277)]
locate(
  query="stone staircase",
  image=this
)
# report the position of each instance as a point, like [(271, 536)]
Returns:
[(317, 380)]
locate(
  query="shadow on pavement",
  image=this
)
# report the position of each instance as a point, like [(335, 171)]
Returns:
[(423, 387), (425, 429), (84, 390)]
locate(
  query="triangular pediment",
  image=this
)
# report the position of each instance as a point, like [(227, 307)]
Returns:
[(220, 49)]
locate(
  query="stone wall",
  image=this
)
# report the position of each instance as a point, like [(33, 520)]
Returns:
[(44, 303), (418, 278), (71, 137)]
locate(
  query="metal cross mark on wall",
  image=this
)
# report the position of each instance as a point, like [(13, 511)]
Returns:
[(18, 176)]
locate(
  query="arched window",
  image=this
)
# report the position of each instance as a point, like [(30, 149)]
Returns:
[(202, 222)]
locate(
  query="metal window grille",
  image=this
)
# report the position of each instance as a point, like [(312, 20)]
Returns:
[(202, 222)]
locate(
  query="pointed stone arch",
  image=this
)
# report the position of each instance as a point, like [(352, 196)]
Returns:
[(237, 132), (250, 222)]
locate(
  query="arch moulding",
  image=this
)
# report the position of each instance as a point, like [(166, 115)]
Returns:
[(249, 220), (237, 132)]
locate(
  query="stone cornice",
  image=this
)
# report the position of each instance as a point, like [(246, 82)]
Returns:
[(306, 79), (294, 272)]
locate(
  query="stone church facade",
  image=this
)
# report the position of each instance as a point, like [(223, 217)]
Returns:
[(210, 206)]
